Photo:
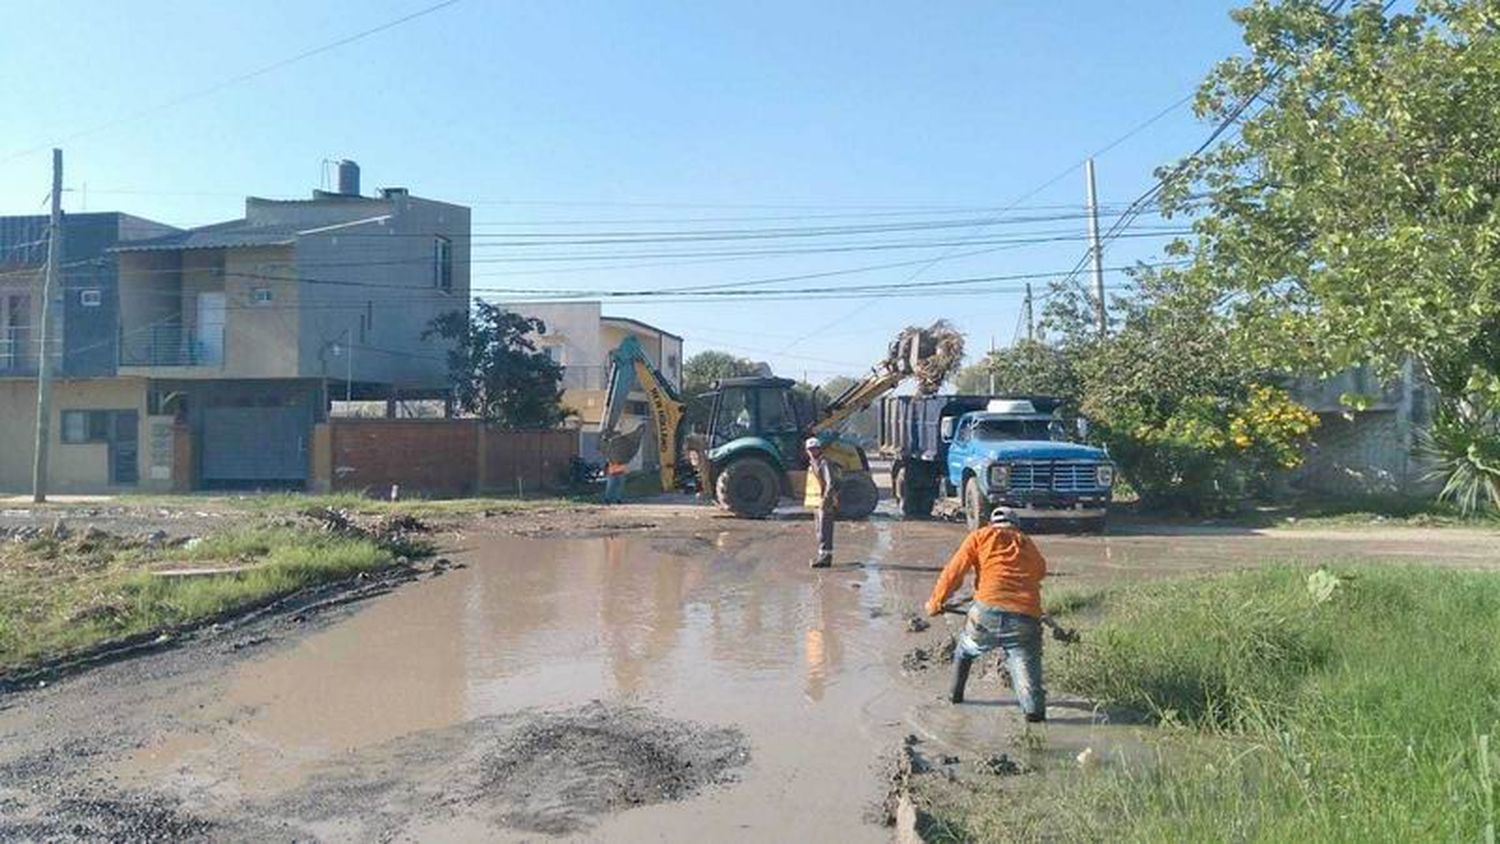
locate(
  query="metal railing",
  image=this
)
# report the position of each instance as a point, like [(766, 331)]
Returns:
[(171, 345), (18, 354)]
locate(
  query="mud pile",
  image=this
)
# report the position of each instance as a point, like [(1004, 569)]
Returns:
[(555, 772), (548, 773)]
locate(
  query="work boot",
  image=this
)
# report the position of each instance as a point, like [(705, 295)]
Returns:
[(1036, 717), (961, 666), (822, 561)]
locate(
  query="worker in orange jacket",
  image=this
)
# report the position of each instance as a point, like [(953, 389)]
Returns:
[(1006, 611)]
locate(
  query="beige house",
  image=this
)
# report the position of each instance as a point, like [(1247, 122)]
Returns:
[(580, 337)]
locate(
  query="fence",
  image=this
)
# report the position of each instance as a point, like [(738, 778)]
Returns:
[(438, 457)]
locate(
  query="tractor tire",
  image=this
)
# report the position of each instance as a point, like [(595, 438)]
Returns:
[(858, 497), (914, 497), (749, 487), (976, 508)]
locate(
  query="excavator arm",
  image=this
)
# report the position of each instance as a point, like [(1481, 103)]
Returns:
[(629, 368), (901, 364)]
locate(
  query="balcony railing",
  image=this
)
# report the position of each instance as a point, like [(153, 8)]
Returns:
[(171, 345), (17, 353)]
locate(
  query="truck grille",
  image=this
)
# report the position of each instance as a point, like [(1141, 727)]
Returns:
[(1054, 477)]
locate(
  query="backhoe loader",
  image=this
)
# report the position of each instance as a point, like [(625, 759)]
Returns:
[(751, 455)]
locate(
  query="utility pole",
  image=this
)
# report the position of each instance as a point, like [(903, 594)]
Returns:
[(991, 363), (43, 357), (1096, 251), (1030, 317)]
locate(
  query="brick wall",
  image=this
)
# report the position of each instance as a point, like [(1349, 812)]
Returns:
[(438, 457)]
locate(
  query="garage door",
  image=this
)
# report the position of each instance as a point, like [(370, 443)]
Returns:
[(255, 443)]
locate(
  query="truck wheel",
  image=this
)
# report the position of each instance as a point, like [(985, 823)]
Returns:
[(976, 508), (749, 487), (858, 496), (915, 498)]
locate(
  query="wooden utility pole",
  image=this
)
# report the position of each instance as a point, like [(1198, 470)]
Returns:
[(44, 344), (1096, 251)]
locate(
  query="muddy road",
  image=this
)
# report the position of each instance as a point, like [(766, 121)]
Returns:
[(642, 673)]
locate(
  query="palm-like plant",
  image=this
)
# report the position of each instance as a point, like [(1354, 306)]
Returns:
[(1464, 447)]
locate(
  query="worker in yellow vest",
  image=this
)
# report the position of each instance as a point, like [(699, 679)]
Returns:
[(822, 495)]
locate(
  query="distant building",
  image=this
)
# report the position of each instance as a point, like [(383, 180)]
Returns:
[(1375, 451), (226, 343), (580, 338)]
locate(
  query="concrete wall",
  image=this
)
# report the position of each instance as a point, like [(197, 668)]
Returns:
[(374, 283), (74, 468)]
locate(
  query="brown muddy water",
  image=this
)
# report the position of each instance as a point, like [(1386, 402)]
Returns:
[(664, 685)]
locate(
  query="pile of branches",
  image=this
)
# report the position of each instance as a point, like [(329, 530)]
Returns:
[(939, 349)]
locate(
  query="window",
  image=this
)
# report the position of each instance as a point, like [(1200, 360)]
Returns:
[(261, 295), (775, 415), (90, 298), (671, 364), (442, 264), (554, 353), (86, 426)]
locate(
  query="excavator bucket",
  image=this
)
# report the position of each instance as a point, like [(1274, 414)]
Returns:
[(621, 448), (930, 355)]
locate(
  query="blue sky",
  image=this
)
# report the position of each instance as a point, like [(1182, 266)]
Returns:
[(577, 118)]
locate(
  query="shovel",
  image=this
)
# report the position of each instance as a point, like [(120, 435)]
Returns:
[(1066, 635)]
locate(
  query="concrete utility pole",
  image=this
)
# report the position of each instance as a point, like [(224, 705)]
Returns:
[(991, 366), (1030, 317), (44, 345), (1096, 251)]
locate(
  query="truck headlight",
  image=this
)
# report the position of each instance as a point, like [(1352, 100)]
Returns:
[(1106, 475), (999, 477)]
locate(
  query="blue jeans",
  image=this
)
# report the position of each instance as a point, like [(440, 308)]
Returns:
[(1020, 636), (614, 489)]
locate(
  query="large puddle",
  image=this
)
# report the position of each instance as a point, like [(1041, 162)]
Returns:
[(727, 632)]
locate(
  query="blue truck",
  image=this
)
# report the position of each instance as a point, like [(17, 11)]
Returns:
[(986, 451)]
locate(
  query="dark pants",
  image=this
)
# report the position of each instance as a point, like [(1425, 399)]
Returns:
[(614, 489), (823, 520)]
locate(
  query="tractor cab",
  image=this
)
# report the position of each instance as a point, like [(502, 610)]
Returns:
[(764, 408)]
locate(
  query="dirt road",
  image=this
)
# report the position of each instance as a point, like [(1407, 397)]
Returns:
[(645, 673)]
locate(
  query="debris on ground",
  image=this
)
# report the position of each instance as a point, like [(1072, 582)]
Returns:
[(1002, 766), (917, 659), (916, 623)]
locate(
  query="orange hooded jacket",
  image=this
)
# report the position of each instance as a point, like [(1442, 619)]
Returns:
[(1008, 571)]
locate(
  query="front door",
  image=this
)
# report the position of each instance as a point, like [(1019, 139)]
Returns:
[(208, 342), (124, 448)]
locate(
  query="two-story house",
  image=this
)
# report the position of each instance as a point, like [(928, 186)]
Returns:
[(102, 449), (227, 342), (580, 337)]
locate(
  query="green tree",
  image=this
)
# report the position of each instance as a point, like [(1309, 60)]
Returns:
[(1355, 218), (497, 372), (699, 373), (1030, 367)]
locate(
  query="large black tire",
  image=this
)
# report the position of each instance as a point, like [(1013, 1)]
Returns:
[(913, 493), (858, 496), (976, 508), (749, 487)]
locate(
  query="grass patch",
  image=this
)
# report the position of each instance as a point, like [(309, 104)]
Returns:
[(1359, 716), (59, 596)]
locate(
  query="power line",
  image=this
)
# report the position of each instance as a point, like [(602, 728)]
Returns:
[(236, 80)]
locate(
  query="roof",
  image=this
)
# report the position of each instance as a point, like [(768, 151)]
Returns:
[(641, 325), (754, 381), (236, 234)]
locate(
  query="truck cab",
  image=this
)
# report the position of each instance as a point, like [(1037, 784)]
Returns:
[(982, 452), (1012, 455)]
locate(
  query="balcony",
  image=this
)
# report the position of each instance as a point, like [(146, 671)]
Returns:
[(17, 353), (172, 345)]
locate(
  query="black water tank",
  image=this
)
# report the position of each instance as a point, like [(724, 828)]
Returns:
[(348, 178)]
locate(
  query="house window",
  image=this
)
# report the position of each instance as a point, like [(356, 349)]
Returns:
[(90, 298), (671, 364), (554, 353), (261, 295), (442, 264), (85, 426)]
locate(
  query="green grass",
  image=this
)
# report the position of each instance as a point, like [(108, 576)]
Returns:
[(60, 596), (1359, 718)]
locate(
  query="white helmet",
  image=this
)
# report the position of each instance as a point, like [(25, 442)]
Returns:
[(812, 442), (1004, 517)]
